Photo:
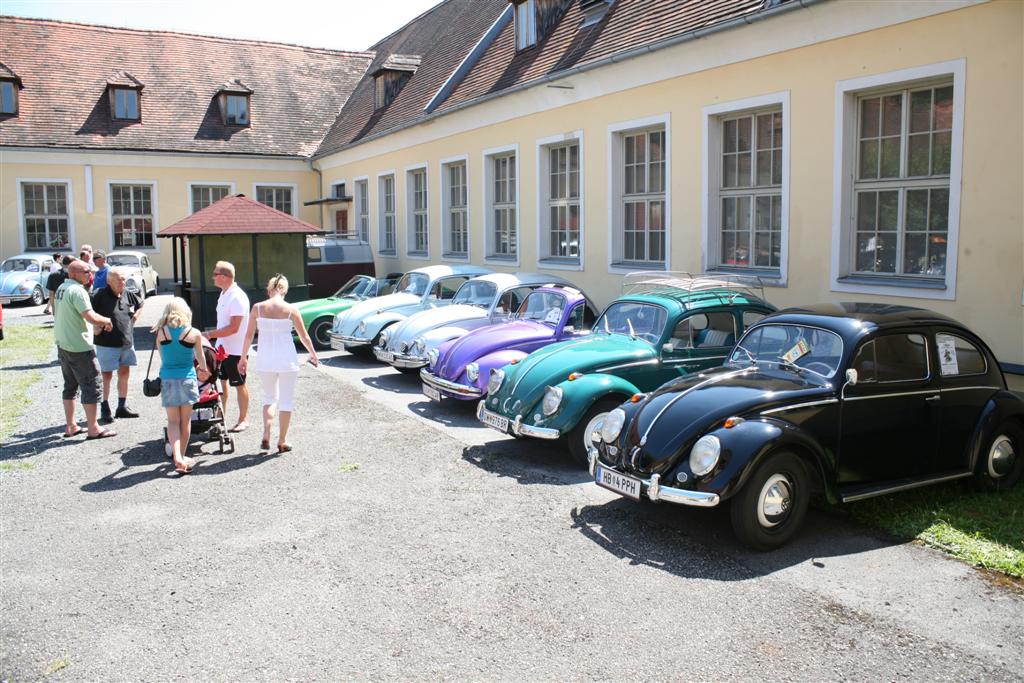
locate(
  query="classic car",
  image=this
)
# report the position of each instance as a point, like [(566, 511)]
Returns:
[(484, 300), (23, 278), (358, 329), (666, 325), (140, 276), (460, 368), (849, 400), (318, 314)]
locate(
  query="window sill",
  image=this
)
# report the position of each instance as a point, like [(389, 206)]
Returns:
[(389, 253), (560, 263), (502, 260), (769, 278), (455, 256), (634, 266), (893, 281), (419, 255)]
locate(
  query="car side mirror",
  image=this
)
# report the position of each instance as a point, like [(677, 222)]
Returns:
[(667, 347), (851, 377)]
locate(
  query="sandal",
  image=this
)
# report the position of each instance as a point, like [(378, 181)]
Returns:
[(187, 469), (265, 445), (283, 448), (78, 430), (103, 434)]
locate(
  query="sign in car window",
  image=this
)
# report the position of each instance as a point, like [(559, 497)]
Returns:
[(958, 356)]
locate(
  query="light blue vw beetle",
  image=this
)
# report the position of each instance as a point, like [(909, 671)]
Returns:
[(23, 278)]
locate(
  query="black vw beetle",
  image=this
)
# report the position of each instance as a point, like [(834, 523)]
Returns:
[(850, 400)]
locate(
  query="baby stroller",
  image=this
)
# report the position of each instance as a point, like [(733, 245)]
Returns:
[(207, 412)]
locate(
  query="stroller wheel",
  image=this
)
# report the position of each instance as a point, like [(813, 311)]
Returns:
[(231, 443)]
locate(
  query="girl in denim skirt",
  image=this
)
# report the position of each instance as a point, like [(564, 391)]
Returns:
[(179, 343)]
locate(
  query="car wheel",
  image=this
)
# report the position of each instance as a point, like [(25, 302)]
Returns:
[(38, 296), (1001, 463), (320, 333), (156, 286), (770, 507), (579, 442)]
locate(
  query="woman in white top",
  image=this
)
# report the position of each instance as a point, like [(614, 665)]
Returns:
[(276, 361)]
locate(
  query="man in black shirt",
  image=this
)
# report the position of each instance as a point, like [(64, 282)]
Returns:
[(115, 350), (55, 280)]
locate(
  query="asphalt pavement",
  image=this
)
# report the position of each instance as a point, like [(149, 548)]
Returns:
[(402, 540)]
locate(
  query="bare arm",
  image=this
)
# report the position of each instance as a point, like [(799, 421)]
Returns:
[(300, 329), (200, 357), (138, 312), (250, 332), (228, 330), (95, 318)]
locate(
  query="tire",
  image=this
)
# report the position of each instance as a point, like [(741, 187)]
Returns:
[(320, 333), (142, 291), (577, 441), (156, 286), (38, 296), (1002, 460), (769, 509)]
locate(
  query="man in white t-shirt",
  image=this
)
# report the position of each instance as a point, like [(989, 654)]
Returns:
[(232, 321)]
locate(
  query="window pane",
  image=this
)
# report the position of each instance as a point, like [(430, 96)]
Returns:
[(942, 146), (764, 168), (901, 357), (892, 111), (729, 170), (890, 166), (7, 97), (917, 210), (918, 150), (764, 131), (743, 170), (921, 111), (743, 128), (869, 114), (888, 208), (743, 213), (915, 257), (868, 159), (729, 136), (938, 212), (943, 108), (963, 359)]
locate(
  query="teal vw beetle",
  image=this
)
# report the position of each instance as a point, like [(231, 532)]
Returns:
[(664, 326)]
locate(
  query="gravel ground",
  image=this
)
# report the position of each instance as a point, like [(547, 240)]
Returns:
[(385, 547)]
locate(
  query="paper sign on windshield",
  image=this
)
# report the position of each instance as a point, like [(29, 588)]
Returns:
[(801, 349), (947, 354), (553, 316)]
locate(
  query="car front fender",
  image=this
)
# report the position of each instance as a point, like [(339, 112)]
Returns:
[(581, 393), (378, 321)]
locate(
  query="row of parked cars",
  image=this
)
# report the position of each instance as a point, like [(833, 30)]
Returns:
[(696, 390), (23, 277)]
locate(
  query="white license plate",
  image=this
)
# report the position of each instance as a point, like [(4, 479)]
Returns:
[(386, 356), (431, 393), (337, 345), (496, 421), (620, 483)]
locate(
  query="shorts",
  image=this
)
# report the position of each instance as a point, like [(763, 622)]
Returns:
[(113, 357), (178, 392), (80, 371), (229, 371), (279, 388)]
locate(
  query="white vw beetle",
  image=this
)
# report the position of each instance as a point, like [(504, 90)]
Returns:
[(140, 277)]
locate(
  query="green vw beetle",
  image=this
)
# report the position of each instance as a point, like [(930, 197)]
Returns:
[(318, 314), (664, 326)]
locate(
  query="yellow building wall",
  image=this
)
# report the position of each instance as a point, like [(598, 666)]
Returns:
[(990, 270)]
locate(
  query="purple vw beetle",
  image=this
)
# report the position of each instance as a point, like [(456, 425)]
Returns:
[(461, 367)]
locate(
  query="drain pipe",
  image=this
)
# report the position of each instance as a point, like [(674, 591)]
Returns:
[(319, 190)]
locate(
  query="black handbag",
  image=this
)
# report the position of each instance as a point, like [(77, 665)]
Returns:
[(151, 387)]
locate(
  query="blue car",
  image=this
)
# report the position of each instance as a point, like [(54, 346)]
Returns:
[(23, 278)]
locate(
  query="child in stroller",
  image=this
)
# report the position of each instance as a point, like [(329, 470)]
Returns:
[(207, 412)]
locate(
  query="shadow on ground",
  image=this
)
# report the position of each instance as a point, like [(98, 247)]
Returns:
[(527, 461), (27, 444)]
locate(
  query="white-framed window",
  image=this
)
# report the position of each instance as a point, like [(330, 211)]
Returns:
[(899, 142), (526, 24), (417, 227), (560, 205), (46, 214), (639, 178), (746, 200), (280, 196), (386, 214), (133, 214), (362, 209), (501, 204), (455, 208), (201, 195)]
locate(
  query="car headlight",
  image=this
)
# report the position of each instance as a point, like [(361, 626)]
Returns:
[(384, 338), (432, 356), (361, 327), (473, 372), (420, 346), (704, 454), (132, 285), (495, 380), (612, 425), (552, 399)]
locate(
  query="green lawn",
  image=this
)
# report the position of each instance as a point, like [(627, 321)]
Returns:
[(985, 529), (23, 345)]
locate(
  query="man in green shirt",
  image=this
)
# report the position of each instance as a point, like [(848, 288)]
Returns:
[(72, 317)]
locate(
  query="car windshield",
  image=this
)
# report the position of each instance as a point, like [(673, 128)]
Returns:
[(476, 293), (809, 348), (545, 307), (641, 321), (355, 287), (123, 260), (20, 264), (413, 283)]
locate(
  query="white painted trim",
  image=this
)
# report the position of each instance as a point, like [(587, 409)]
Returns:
[(442, 203), (708, 116), (155, 200), (88, 189), (296, 202), (205, 183), (615, 131), (542, 225), (113, 157), (379, 213), (486, 191), (355, 207), (21, 210), (842, 174), (409, 229)]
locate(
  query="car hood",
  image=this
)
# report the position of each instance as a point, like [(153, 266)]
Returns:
[(364, 309), (9, 281), (331, 304), (677, 413), (489, 339), (552, 364), (419, 324)]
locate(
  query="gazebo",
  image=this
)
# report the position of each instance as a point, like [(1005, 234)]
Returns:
[(259, 240)]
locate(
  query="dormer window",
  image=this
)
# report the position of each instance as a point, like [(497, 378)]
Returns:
[(526, 24), (593, 11), (124, 90), (10, 84), (391, 76), (234, 103)]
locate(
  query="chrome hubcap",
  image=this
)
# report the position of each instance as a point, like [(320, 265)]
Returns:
[(1001, 457), (775, 501)]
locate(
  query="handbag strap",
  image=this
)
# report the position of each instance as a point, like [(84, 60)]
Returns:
[(151, 356)]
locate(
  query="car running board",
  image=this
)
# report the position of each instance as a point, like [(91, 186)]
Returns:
[(862, 492)]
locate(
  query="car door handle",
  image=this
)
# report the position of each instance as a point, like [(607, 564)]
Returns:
[(933, 398)]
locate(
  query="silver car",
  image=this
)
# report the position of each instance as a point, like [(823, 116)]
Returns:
[(140, 276), (23, 278), (484, 300), (359, 328)]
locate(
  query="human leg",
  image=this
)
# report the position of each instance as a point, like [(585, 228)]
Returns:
[(230, 372), (105, 415), (185, 422), (285, 407), (87, 371), (69, 393), (123, 374), (269, 382), (174, 438)]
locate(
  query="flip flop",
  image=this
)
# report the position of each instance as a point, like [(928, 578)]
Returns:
[(75, 433), (283, 448), (240, 427), (187, 470), (104, 434)]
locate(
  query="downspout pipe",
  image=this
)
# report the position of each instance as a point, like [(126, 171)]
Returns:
[(319, 190)]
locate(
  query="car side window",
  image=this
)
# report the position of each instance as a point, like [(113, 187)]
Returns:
[(445, 289), (511, 300), (576, 321), (686, 329), (145, 262), (719, 331), (751, 317), (957, 356), (892, 358)]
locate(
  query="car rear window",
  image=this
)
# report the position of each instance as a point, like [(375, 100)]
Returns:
[(892, 358)]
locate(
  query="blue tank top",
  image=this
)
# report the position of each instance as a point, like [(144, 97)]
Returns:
[(176, 356)]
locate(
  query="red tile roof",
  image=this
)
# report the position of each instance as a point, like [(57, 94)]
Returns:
[(65, 68), (238, 214)]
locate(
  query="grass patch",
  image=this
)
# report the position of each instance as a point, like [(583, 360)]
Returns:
[(13, 466), (347, 466), (22, 345), (985, 529), (62, 663)]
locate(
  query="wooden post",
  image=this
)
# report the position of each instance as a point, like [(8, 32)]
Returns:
[(202, 282)]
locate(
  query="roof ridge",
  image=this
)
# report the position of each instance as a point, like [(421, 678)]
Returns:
[(186, 34)]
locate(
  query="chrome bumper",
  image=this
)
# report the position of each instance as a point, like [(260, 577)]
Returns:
[(11, 298), (399, 360), (656, 492), (460, 390), (517, 428), (342, 342)]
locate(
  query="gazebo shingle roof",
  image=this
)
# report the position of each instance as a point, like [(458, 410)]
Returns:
[(238, 215)]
